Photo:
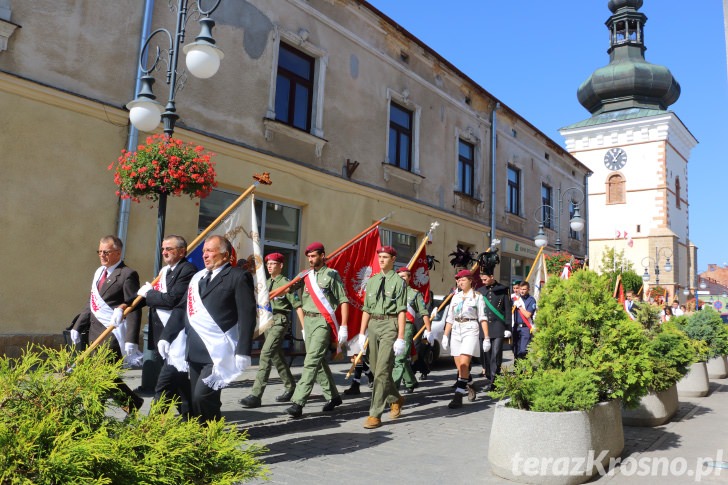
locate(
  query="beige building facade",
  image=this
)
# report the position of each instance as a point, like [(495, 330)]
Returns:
[(420, 131)]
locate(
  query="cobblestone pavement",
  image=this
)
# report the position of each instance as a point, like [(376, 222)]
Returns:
[(429, 443)]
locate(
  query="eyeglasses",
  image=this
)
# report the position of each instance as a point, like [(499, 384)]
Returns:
[(169, 249), (106, 252)]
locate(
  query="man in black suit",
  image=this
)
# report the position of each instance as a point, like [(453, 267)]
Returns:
[(219, 320), (169, 293), (114, 287), (498, 312)]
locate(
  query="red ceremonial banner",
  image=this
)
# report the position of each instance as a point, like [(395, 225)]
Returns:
[(356, 264), (421, 274)]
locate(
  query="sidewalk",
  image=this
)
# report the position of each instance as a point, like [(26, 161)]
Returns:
[(433, 444)]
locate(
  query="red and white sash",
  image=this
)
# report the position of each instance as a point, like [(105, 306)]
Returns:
[(410, 316), (102, 311), (323, 305), (521, 312), (161, 286), (629, 313), (220, 345)]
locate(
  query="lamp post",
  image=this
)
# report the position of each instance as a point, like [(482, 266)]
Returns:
[(656, 262), (202, 60), (576, 223)]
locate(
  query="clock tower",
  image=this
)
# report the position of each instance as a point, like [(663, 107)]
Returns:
[(638, 151)]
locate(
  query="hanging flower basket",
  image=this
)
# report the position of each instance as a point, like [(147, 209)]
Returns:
[(555, 262), (164, 166)]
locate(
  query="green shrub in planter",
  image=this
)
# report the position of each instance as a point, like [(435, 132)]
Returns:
[(582, 331), (61, 428), (707, 327), (671, 353)]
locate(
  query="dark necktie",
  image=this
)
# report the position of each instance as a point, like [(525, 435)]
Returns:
[(205, 281), (270, 285), (102, 280), (380, 291)]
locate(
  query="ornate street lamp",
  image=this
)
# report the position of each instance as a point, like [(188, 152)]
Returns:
[(576, 223), (202, 60), (656, 262)]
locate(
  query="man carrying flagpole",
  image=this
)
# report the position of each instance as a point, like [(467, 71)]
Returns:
[(219, 320), (323, 292)]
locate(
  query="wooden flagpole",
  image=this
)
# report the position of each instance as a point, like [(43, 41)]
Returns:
[(263, 178)]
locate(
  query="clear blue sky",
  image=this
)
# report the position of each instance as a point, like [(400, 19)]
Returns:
[(532, 55)]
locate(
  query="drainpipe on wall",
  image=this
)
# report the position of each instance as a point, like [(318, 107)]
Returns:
[(586, 210), (125, 204), (492, 172)]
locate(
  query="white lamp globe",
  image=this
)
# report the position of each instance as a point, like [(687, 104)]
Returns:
[(144, 114), (202, 59)]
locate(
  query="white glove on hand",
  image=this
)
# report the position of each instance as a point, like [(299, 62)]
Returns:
[(144, 290), (163, 348), (433, 314), (75, 337), (507, 334), (445, 342), (427, 335), (131, 348), (117, 317), (362, 340), (398, 347), (486, 345), (242, 362), (519, 303), (343, 335)]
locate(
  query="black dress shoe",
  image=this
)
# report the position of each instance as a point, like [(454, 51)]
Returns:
[(250, 402), (408, 390), (286, 396), (295, 410), (353, 390), (329, 406)]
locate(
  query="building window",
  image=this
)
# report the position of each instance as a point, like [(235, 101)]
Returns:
[(572, 210), (400, 137), (677, 192), (615, 189), (513, 200), (279, 224), (547, 206), (294, 88), (466, 168), (405, 244)]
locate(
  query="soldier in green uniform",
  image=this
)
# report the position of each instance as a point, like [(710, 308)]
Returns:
[(272, 351), (415, 307), (323, 292), (384, 306)]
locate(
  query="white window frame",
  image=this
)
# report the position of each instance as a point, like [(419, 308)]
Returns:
[(403, 100)]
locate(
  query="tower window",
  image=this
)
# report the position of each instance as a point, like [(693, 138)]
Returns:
[(677, 192), (616, 189)]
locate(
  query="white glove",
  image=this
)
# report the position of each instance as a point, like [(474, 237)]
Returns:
[(131, 348), (163, 348), (486, 345), (445, 342), (433, 314), (398, 347), (519, 303), (507, 334), (362, 340), (343, 335), (144, 290), (242, 362), (427, 335), (75, 336), (117, 317)]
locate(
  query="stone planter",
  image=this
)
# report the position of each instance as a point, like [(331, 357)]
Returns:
[(695, 383), (554, 448), (655, 408), (718, 367)]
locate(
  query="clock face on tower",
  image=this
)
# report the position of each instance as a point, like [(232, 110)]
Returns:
[(615, 159)]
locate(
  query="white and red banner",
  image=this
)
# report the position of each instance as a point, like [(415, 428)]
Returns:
[(538, 277), (356, 264), (421, 274)]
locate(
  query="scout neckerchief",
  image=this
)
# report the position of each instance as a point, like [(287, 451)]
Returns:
[(321, 302), (103, 312), (220, 345)]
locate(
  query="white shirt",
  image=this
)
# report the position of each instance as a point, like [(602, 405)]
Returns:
[(109, 270), (469, 306)]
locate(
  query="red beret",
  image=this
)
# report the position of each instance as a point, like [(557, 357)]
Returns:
[(277, 257), (463, 273), (404, 269), (315, 246), (387, 249)]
